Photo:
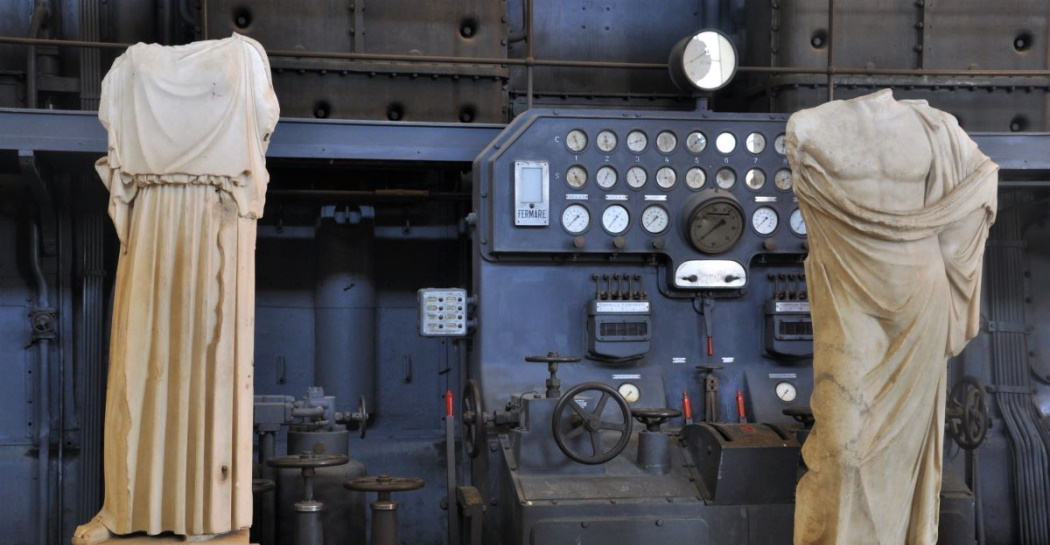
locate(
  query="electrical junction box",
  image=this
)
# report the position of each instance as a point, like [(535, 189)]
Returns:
[(618, 330), (789, 329), (442, 312)]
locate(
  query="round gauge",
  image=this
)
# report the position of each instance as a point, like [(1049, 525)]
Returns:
[(695, 178), (725, 143), (765, 220), (629, 392), (783, 179), (576, 140), (666, 177), (655, 219), (606, 141), (715, 225), (704, 61), (666, 142), (755, 143), (636, 177), (786, 391), (798, 225), (696, 142), (605, 177), (637, 141), (755, 179), (778, 144), (616, 219), (725, 178), (576, 218), (576, 176)]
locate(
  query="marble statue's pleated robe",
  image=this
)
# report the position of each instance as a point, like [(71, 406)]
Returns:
[(894, 291), (188, 129)]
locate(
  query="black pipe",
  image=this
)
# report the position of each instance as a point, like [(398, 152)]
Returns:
[(43, 345)]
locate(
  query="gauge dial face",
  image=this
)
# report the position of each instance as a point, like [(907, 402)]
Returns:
[(637, 141), (576, 140), (786, 392), (783, 179), (725, 143), (605, 177), (755, 143), (755, 179), (666, 142), (778, 144), (616, 219), (655, 219), (696, 142), (666, 177), (725, 178), (636, 177), (765, 220), (576, 218), (629, 392), (576, 176), (709, 60), (716, 225), (695, 178), (606, 141), (798, 225)]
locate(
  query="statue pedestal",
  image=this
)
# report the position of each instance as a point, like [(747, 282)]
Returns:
[(240, 538)]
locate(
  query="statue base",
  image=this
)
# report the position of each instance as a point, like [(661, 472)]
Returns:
[(239, 537)]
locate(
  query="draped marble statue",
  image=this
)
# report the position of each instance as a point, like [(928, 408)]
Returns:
[(188, 130), (897, 201)]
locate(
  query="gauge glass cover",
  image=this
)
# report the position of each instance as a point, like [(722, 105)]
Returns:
[(606, 141), (637, 141), (655, 219), (629, 392), (725, 143), (755, 143), (783, 179), (778, 144), (696, 142), (716, 225), (605, 177), (725, 178), (798, 225), (576, 140), (695, 178), (786, 392), (666, 177), (576, 176), (666, 142), (765, 220), (616, 219), (576, 218), (709, 60), (755, 179), (636, 177)]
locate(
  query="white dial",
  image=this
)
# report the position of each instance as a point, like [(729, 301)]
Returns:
[(696, 142), (576, 218), (666, 177), (706, 61), (605, 178), (786, 391), (637, 141), (695, 178), (655, 219), (666, 142), (725, 178), (576, 176), (755, 143), (606, 141), (765, 220), (616, 219), (725, 143), (629, 392), (798, 225), (778, 144), (755, 179), (576, 140), (783, 179), (636, 177)]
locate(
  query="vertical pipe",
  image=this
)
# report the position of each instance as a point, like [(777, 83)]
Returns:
[(43, 346), (831, 50), (529, 38)]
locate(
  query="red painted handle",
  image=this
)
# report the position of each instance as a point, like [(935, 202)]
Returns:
[(448, 403), (687, 407), (740, 405), (710, 346)]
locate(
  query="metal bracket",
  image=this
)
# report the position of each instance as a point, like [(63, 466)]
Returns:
[(1007, 327), (45, 206), (42, 323)]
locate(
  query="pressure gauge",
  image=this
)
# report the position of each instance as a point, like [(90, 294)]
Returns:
[(576, 176), (696, 142), (725, 178), (783, 179), (778, 144), (616, 219), (655, 219), (798, 225), (629, 392), (606, 141), (636, 177), (666, 142), (725, 143), (755, 179), (695, 178), (605, 177), (765, 220), (703, 62), (637, 141), (755, 143), (715, 224), (786, 391), (666, 177), (576, 140), (576, 218)]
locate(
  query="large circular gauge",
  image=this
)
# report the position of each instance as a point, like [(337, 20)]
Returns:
[(778, 144), (605, 177), (755, 143), (798, 225), (786, 391), (576, 218), (695, 178), (576, 140), (636, 177), (755, 179), (616, 219), (725, 178), (637, 141), (576, 176), (666, 177), (765, 220), (629, 392), (783, 179), (703, 62), (725, 143), (606, 141), (666, 142), (715, 225), (696, 142), (655, 219)]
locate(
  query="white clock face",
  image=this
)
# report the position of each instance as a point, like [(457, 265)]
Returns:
[(637, 141), (605, 178), (636, 177), (655, 219), (765, 220), (576, 140), (696, 142), (576, 176), (666, 177), (709, 60), (695, 178), (576, 218), (606, 141), (786, 392), (666, 142), (629, 392), (616, 219)]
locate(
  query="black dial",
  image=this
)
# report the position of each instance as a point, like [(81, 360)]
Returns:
[(715, 225)]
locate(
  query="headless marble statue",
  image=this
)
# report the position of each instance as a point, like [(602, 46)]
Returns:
[(897, 201), (188, 130)]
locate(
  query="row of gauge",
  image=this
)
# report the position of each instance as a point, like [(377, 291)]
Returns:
[(666, 177), (667, 142), (655, 220)]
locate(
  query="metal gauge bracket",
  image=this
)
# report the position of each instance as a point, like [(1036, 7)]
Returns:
[(442, 312), (709, 274)]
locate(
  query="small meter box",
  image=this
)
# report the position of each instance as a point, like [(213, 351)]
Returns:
[(618, 330), (442, 312), (789, 329)]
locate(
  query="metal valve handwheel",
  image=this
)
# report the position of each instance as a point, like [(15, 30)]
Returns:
[(967, 413), (571, 420), (553, 357), (472, 418), (652, 419)]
